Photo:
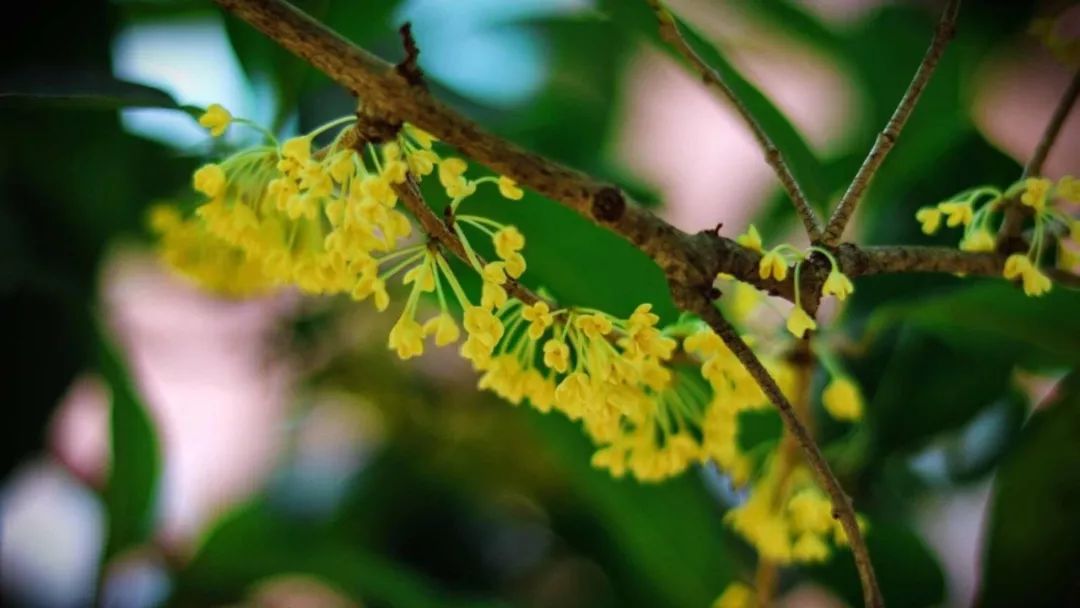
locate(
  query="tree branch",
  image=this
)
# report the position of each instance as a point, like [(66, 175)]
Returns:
[(1009, 235), (669, 31), (842, 507), (438, 230), (386, 93), (885, 141)]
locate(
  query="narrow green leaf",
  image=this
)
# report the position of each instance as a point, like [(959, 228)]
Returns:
[(83, 90), (131, 491)]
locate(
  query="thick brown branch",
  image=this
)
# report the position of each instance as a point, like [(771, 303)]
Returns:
[(669, 31), (436, 229), (944, 32), (842, 507), (384, 92)]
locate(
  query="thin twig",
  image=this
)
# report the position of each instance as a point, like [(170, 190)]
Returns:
[(1053, 128), (885, 141), (669, 31), (1009, 240), (436, 229), (842, 507)]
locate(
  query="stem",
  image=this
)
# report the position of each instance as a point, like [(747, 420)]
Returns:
[(885, 141), (842, 507), (669, 31)]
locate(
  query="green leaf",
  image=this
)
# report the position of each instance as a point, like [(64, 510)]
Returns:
[(995, 316), (256, 542), (83, 90), (1032, 555), (669, 535), (131, 491), (926, 386), (908, 573)]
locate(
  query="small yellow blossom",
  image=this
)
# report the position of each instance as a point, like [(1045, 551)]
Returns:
[(539, 317), (751, 239), (556, 355), (297, 149), (978, 240), (508, 241), (594, 326), (216, 119), (842, 399), (773, 264), (444, 328), (407, 338), (930, 218), (736, 595), (515, 265), (210, 180), (809, 549), (1035, 191), (799, 322), (957, 213), (509, 189), (1068, 188), (1034, 281), (495, 272), (492, 296), (837, 284)]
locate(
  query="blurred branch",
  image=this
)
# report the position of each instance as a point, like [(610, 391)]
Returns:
[(669, 31), (1009, 236), (885, 141), (842, 507)]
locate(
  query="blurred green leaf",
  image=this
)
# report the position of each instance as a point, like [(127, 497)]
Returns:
[(1032, 555), (995, 316), (257, 542), (83, 90), (908, 573), (130, 495), (669, 536), (926, 386)]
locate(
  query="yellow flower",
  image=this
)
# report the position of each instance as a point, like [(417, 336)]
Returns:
[(539, 317), (810, 511), (837, 284), (809, 549), (979, 240), (495, 272), (1035, 191), (594, 326), (736, 595), (210, 180), (369, 285), (1036, 283), (420, 136), (508, 241), (493, 296), (421, 162), (705, 343), (642, 317), (297, 149), (930, 218), (799, 322), (509, 189), (444, 328), (750, 239), (1068, 188), (773, 264), (842, 399), (452, 171), (515, 265), (407, 338), (556, 355), (957, 212), (422, 275), (1016, 265), (483, 326), (216, 119)]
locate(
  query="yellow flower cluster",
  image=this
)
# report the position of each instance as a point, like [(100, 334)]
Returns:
[(787, 518), (974, 210), (774, 265)]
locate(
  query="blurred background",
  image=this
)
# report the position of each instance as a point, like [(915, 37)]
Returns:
[(163, 446)]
